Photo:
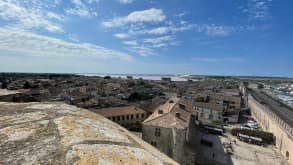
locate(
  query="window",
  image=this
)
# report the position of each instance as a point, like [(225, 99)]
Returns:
[(137, 116), (211, 117), (118, 118), (131, 116), (114, 118), (142, 115), (157, 132), (127, 117), (123, 117), (153, 143), (181, 106)]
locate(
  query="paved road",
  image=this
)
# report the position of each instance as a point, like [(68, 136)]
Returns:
[(284, 113)]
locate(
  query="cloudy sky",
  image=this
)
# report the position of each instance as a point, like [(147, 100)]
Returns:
[(219, 37)]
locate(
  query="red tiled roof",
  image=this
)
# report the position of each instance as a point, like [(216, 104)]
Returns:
[(169, 118)]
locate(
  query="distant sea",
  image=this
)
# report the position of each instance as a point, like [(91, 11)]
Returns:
[(155, 77)]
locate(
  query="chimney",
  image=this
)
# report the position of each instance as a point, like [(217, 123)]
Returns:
[(177, 114), (160, 111)]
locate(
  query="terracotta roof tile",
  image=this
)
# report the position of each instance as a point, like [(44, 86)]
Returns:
[(175, 114)]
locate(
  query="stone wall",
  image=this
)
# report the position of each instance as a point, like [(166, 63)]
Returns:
[(179, 136), (171, 140), (204, 115), (272, 123), (164, 142)]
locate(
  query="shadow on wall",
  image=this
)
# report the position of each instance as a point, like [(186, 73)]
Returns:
[(207, 153)]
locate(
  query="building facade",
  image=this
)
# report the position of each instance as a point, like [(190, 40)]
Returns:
[(167, 128), (128, 116), (209, 113)]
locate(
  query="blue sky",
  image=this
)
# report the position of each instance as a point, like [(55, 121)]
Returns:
[(218, 37)]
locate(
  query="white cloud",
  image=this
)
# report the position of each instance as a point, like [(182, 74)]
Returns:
[(142, 50), (159, 45), (73, 37), (92, 1), (30, 44), (181, 14), (125, 1), (223, 59), (146, 47), (130, 43), (208, 29), (56, 2), (217, 30), (159, 40), (150, 15), (181, 28), (163, 30), (78, 11), (82, 9), (145, 23), (257, 9), (29, 17), (155, 31), (214, 30), (121, 35), (55, 16), (159, 30)]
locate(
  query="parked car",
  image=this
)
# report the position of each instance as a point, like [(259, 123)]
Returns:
[(251, 125)]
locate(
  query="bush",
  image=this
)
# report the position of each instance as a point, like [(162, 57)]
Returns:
[(131, 84), (26, 85), (145, 84), (140, 96), (267, 137), (260, 86), (199, 99), (235, 131), (4, 85)]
